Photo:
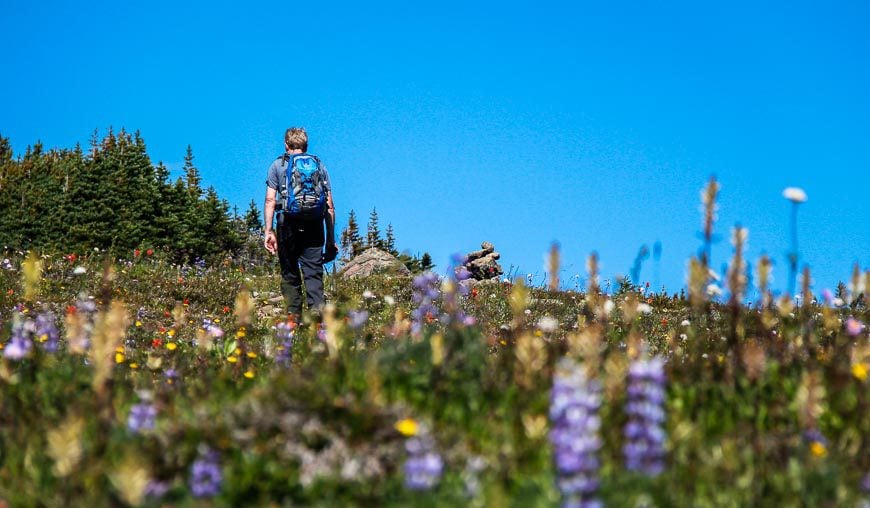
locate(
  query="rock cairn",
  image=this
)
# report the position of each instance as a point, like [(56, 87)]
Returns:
[(483, 263)]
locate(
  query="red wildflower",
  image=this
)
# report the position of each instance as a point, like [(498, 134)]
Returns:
[(474, 292), (10, 292), (157, 342), (136, 253), (226, 310), (166, 313), (186, 301), (71, 309), (149, 252)]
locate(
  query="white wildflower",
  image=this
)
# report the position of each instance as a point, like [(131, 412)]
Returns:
[(685, 322), (608, 307), (795, 194), (390, 300), (548, 324), (644, 308), (368, 294), (80, 270)]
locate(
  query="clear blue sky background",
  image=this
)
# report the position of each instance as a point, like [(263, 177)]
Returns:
[(592, 123)]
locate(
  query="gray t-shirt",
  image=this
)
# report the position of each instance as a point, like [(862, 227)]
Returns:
[(276, 178)]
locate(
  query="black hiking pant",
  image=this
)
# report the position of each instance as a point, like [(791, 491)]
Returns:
[(300, 245)]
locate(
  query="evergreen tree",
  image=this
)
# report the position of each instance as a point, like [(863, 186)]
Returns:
[(390, 242), (373, 236), (426, 263), (191, 174), (252, 218), (351, 242)]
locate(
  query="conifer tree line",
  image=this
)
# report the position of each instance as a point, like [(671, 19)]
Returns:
[(352, 243), (112, 197)]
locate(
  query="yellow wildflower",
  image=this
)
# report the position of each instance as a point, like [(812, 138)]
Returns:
[(249, 374), (171, 332), (240, 333), (818, 449), (43, 337), (407, 427), (233, 359), (171, 346), (119, 357), (252, 354), (859, 370), (138, 323), (134, 365), (237, 351), (119, 349)]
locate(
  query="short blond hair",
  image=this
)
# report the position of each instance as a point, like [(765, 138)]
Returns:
[(296, 139)]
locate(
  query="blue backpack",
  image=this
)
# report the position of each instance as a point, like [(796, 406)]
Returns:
[(304, 191)]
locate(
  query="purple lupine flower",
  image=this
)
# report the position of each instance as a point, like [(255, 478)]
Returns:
[(284, 337), (46, 331), (425, 293), (142, 417), (644, 433), (171, 375), (357, 318), (854, 327), (212, 329), (205, 475), (155, 489), (19, 344), (424, 466), (865, 484), (574, 403)]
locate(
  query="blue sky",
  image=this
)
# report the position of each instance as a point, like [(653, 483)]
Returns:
[(594, 124)]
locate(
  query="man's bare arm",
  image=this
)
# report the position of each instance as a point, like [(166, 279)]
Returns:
[(330, 219), (270, 241)]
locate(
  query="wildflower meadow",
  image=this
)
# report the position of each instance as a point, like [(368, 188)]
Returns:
[(136, 381)]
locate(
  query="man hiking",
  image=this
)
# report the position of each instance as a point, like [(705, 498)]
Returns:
[(298, 189)]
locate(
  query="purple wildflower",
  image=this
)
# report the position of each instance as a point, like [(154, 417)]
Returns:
[(284, 337), (156, 489), (46, 331), (828, 296), (644, 433), (357, 318), (865, 484), (424, 466), (854, 327), (142, 417), (19, 344), (205, 475), (212, 329), (171, 375), (574, 403), (425, 293)]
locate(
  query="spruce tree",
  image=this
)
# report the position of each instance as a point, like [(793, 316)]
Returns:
[(390, 242), (252, 218), (426, 263), (350, 239), (373, 236), (191, 174)]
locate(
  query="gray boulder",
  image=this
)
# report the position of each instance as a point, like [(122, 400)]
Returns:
[(374, 261)]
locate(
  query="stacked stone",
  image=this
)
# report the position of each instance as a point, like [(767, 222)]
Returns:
[(483, 263)]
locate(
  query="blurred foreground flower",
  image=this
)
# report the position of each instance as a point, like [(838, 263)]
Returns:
[(854, 327), (142, 417), (19, 344), (795, 194), (424, 466), (357, 319), (205, 475), (644, 433), (574, 404), (407, 427)]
